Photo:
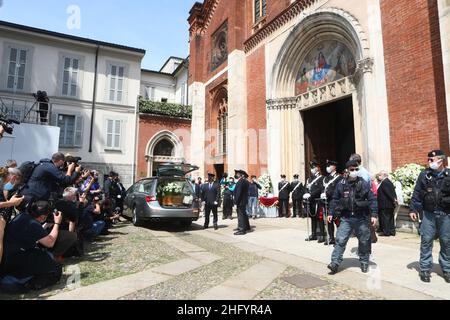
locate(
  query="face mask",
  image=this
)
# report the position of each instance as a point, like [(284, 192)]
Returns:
[(435, 165), (329, 170), (8, 187), (314, 171), (354, 174)]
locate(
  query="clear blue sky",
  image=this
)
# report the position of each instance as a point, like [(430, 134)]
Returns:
[(158, 26)]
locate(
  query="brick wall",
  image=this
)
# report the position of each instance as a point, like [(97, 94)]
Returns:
[(256, 102), (415, 79), (149, 126)]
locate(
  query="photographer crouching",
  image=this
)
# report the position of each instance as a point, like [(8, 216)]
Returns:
[(26, 248)]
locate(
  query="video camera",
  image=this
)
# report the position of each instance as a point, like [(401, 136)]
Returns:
[(7, 124)]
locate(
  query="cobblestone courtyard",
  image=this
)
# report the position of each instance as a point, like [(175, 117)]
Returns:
[(166, 262)]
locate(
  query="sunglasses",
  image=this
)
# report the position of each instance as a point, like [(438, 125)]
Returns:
[(430, 160), (353, 170)]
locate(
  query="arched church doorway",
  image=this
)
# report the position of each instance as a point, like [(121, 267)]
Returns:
[(329, 133), (329, 127), (165, 147)]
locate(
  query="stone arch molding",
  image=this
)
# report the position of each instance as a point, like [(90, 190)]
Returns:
[(165, 134), (318, 26)]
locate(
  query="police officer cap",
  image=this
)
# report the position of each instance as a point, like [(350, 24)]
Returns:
[(296, 176), (211, 175), (332, 163), (352, 163), (436, 153), (242, 172), (314, 164)]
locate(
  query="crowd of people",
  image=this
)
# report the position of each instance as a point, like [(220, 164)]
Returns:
[(48, 211)]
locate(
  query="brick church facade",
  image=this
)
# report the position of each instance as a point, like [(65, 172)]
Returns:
[(277, 83)]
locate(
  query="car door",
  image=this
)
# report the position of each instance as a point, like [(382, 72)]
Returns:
[(130, 199)]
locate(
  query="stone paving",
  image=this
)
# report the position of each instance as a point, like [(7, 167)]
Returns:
[(273, 262)]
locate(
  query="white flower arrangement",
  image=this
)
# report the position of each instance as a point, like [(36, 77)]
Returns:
[(172, 188), (407, 176), (266, 183)]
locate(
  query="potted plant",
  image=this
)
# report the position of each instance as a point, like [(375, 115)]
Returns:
[(405, 179)]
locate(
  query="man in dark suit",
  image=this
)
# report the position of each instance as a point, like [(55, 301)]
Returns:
[(241, 201), (387, 201), (211, 197), (284, 192)]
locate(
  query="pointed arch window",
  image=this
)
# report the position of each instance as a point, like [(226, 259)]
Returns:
[(223, 127), (164, 148)]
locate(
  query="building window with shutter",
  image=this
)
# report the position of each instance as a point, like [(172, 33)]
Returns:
[(17, 64), (260, 9), (113, 134), (150, 93), (116, 83), (71, 71), (71, 134), (184, 94)]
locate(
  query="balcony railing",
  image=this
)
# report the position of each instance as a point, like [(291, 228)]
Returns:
[(25, 110)]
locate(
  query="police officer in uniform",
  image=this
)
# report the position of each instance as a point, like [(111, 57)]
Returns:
[(355, 203), (314, 186), (432, 195), (298, 191), (329, 186), (283, 197)]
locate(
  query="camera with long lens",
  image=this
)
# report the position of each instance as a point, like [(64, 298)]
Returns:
[(8, 124)]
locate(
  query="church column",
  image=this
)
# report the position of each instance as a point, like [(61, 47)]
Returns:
[(197, 98), (444, 22), (237, 153)]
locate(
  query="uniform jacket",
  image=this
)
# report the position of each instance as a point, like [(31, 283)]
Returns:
[(347, 189), (315, 189), (284, 194), (241, 193), (421, 186), (299, 192), (329, 184)]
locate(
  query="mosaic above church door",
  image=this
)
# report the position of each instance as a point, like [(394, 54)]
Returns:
[(327, 62)]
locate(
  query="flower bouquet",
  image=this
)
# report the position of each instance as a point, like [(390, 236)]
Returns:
[(171, 194), (407, 176), (268, 202)]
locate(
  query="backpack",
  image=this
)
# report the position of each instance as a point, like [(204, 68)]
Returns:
[(27, 169)]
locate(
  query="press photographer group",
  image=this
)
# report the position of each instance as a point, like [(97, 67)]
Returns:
[(49, 211)]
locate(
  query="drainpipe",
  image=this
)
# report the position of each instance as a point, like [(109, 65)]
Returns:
[(94, 99), (136, 141)]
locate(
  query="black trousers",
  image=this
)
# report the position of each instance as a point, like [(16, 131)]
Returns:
[(317, 225), (283, 208), (243, 222), (208, 209), (227, 208), (387, 223), (64, 242), (297, 207)]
